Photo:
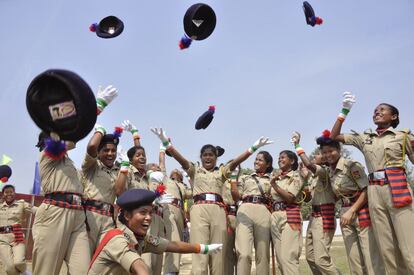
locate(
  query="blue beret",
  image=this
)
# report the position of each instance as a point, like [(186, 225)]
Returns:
[(135, 198)]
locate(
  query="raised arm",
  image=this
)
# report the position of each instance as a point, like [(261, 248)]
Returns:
[(161, 158), (128, 126), (262, 141), (234, 180), (120, 183), (92, 148), (160, 133), (347, 103), (301, 153)]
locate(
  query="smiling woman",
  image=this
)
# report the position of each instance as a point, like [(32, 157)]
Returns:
[(389, 194), (207, 215), (120, 250)]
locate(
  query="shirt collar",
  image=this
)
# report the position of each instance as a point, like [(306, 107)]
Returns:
[(266, 175), (341, 164), (5, 204)]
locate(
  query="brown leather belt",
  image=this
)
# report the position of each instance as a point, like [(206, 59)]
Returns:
[(255, 199), (208, 198)]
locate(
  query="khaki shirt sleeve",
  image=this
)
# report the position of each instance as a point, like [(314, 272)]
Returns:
[(296, 185), (191, 171), (225, 172), (409, 147), (28, 208), (354, 139), (89, 162), (358, 175), (118, 250), (155, 244)]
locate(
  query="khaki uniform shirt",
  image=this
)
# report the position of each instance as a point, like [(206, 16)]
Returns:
[(382, 151), (118, 255), (208, 181), (292, 183), (174, 188), (14, 213), (347, 178), (136, 180), (98, 180), (59, 175), (320, 187), (248, 185)]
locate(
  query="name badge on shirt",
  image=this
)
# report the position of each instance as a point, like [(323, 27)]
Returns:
[(210, 197)]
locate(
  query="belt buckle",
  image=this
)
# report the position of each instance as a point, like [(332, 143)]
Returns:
[(276, 206), (76, 200), (255, 199), (210, 197), (378, 175), (8, 229), (106, 207)]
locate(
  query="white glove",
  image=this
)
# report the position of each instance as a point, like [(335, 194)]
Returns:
[(348, 100), (105, 96), (128, 126), (210, 248), (347, 103), (295, 138), (123, 159), (262, 141), (164, 199), (100, 129), (160, 133)]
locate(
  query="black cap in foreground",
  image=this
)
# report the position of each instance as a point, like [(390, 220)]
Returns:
[(135, 198)]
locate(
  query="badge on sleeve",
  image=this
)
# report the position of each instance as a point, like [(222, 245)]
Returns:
[(152, 240), (356, 175)]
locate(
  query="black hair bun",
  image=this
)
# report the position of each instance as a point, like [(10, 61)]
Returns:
[(220, 151)]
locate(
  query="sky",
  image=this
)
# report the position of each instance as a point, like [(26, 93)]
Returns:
[(265, 70)]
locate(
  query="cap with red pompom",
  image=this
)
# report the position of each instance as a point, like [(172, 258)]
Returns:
[(5, 174), (111, 138), (206, 118), (311, 19), (199, 23), (109, 27)]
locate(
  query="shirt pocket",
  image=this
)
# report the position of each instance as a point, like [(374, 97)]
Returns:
[(394, 152)]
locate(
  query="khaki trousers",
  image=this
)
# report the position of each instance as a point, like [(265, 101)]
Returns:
[(253, 230), (317, 246), (12, 255), (287, 242), (208, 225), (152, 260), (174, 226), (361, 248), (59, 234), (230, 260), (393, 228), (98, 226)]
